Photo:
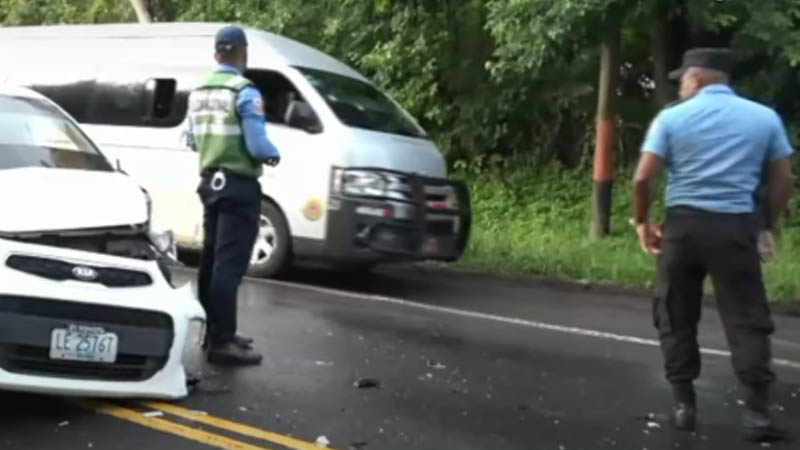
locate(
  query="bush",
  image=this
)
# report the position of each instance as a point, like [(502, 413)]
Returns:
[(536, 221)]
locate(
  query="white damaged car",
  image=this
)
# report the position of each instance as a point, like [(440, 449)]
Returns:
[(86, 306)]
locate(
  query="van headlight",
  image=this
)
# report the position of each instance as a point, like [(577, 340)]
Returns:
[(368, 183)]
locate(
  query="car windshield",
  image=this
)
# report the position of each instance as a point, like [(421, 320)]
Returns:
[(34, 133), (359, 104)]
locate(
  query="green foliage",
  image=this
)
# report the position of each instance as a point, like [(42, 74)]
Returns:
[(534, 220), (38, 12)]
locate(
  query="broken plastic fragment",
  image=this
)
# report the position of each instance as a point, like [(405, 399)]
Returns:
[(436, 365), (322, 441), (367, 383), (151, 414), (653, 425)]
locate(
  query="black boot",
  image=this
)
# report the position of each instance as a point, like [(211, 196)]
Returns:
[(230, 353), (684, 410), (756, 420), (244, 342)]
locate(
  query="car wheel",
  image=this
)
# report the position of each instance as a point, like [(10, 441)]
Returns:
[(271, 252)]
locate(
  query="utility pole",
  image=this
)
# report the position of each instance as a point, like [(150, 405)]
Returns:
[(606, 126), (141, 11)]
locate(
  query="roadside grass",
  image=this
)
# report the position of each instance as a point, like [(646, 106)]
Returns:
[(536, 221)]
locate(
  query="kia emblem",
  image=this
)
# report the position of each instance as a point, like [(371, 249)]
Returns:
[(84, 273)]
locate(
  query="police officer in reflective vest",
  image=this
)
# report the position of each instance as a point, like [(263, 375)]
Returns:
[(717, 147), (227, 129)]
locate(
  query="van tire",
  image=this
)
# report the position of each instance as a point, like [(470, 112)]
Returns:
[(274, 230)]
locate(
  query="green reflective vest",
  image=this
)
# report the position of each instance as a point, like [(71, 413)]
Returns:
[(217, 130)]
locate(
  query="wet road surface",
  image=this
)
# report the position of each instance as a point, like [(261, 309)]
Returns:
[(461, 361)]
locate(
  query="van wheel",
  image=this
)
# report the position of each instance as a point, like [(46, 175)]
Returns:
[(271, 253)]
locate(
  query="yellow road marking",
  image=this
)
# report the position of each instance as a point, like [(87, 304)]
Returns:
[(194, 434), (244, 430)]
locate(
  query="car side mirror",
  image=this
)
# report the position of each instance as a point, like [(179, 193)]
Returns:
[(300, 115)]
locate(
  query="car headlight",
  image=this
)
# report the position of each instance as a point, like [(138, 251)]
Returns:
[(164, 242)]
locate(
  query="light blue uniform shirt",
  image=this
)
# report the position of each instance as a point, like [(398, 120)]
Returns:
[(716, 145), (250, 107)]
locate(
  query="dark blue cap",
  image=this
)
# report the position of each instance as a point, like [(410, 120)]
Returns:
[(720, 59), (230, 37)]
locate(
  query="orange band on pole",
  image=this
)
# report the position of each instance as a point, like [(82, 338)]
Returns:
[(604, 150)]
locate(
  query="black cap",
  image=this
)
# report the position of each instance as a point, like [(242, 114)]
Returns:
[(720, 59), (229, 38)]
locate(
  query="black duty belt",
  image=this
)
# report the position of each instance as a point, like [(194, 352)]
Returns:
[(228, 173)]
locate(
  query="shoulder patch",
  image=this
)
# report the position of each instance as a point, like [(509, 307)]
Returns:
[(258, 105)]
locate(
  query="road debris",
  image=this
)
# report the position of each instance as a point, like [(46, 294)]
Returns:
[(63, 424), (243, 408), (653, 425), (323, 441), (151, 414), (357, 446), (367, 383), (324, 363), (435, 365)]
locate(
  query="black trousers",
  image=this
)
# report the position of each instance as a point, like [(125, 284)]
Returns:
[(230, 226), (724, 246)]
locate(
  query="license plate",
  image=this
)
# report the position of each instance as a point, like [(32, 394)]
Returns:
[(83, 343), (431, 246)]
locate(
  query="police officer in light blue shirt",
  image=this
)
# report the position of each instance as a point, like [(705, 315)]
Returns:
[(717, 147)]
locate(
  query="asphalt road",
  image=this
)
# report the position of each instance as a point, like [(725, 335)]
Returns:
[(461, 361)]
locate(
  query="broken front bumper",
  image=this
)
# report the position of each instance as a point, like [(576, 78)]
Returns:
[(158, 327)]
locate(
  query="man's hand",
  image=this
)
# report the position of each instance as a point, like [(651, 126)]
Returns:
[(650, 237), (767, 248)]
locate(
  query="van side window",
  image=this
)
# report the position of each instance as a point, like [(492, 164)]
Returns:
[(277, 91), (153, 102), (159, 97), (115, 103), (69, 96)]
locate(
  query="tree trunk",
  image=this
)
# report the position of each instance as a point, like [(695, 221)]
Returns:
[(141, 11), (606, 130), (658, 48)]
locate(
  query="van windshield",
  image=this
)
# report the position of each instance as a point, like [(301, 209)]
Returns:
[(359, 104), (33, 133)]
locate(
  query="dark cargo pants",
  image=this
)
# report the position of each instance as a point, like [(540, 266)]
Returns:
[(230, 226), (724, 246)]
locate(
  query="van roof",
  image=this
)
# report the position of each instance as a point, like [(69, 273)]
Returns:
[(277, 48)]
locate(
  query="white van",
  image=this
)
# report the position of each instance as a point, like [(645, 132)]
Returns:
[(85, 307), (359, 181)]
